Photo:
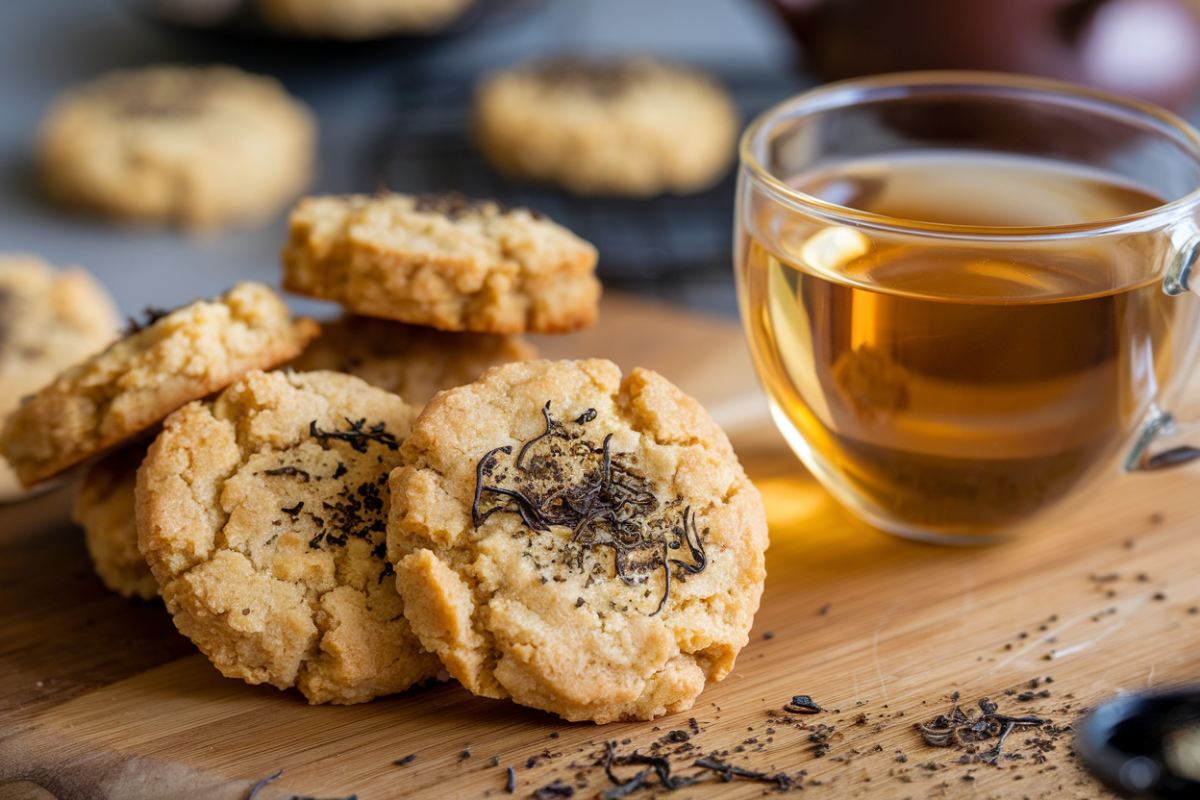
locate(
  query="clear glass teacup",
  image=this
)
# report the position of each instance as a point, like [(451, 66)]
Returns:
[(966, 293)]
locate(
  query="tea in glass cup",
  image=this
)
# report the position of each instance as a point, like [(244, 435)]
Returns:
[(953, 289)]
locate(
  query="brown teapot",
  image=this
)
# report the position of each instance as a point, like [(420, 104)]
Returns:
[(1144, 48)]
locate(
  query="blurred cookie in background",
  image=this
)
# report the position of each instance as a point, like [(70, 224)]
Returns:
[(200, 147), (412, 361), (49, 320), (632, 127), (359, 19), (104, 509)]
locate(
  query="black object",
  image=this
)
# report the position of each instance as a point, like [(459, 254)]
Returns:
[(660, 239), (1126, 743)]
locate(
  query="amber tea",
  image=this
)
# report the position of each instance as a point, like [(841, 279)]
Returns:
[(937, 386)]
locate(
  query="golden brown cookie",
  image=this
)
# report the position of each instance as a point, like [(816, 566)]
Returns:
[(359, 19), (49, 320), (442, 261), (262, 514), (580, 543), (412, 361), (194, 146), (104, 509), (179, 356), (632, 127)]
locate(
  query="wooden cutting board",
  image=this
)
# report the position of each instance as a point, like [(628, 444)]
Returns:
[(101, 698)]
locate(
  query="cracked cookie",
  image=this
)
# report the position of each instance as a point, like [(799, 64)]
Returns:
[(104, 509), (630, 127), (443, 261), (412, 361), (49, 321), (581, 543), (179, 356), (262, 514), (199, 147)]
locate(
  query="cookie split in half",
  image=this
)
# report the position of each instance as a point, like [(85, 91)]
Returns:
[(581, 543), (179, 356), (49, 320), (263, 517), (443, 261)]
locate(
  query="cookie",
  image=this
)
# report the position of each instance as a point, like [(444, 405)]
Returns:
[(104, 509), (634, 127), (412, 361), (200, 147), (580, 543), (49, 320), (359, 19), (262, 515), (177, 357), (443, 261)]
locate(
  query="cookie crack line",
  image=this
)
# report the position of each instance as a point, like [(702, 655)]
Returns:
[(560, 478)]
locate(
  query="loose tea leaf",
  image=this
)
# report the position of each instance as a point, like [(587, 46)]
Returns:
[(728, 772), (264, 782), (802, 704)]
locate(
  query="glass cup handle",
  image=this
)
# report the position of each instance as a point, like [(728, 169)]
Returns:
[(1160, 426)]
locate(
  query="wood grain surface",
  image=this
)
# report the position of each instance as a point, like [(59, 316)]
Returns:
[(101, 698)]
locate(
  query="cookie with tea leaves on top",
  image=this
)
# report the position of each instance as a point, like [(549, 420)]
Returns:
[(444, 261), (263, 513), (579, 542), (178, 356)]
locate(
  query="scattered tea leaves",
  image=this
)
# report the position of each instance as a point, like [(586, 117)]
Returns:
[(964, 730)]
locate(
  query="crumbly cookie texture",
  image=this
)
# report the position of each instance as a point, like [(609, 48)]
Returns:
[(49, 321), (412, 361), (359, 19), (262, 515), (104, 509), (181, 356), (634, 127), (442, 261), (580, 543), (199, 147)]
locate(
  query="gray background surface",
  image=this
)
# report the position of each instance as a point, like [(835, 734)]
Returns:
[(46, 45)]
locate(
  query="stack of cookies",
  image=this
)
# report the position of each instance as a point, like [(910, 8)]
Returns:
[(389, 506)]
